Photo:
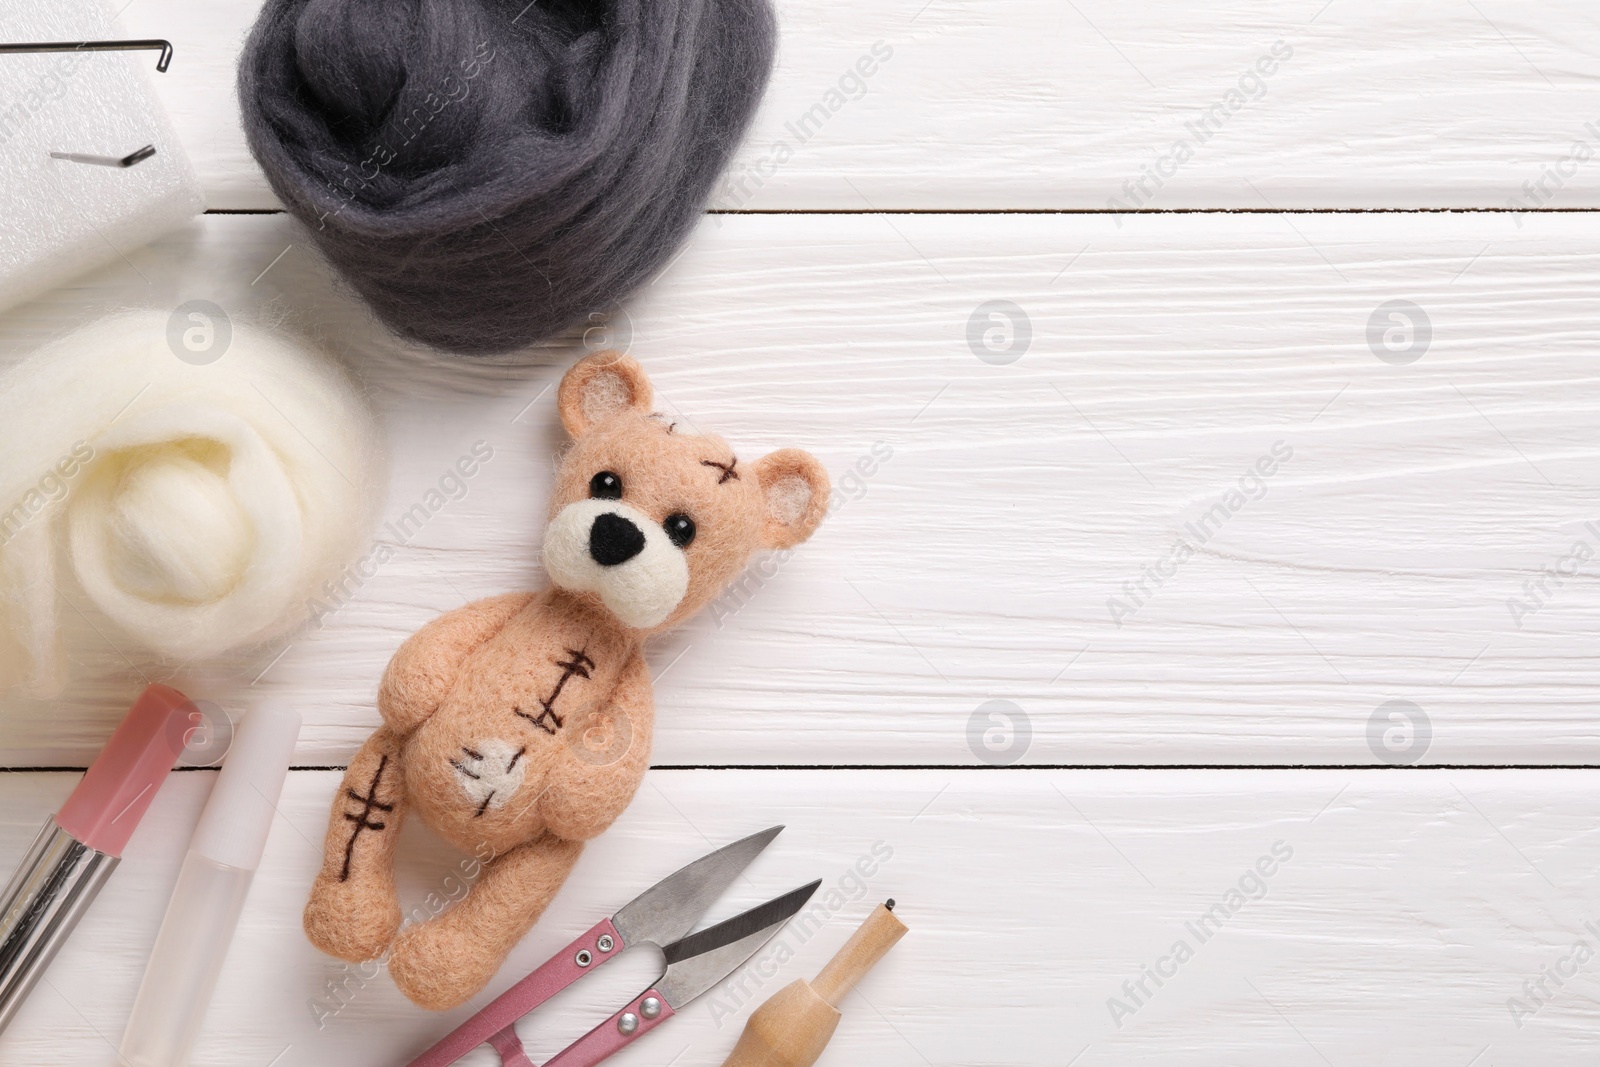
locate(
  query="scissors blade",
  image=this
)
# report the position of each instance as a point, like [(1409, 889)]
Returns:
[(670, 908), (700, 961)]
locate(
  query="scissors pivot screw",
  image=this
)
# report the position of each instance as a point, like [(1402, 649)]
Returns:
[(584, 958), (605, 943), (650, 1008), (628, 1023)]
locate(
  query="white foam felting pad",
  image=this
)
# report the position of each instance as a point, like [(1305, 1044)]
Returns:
[(64, 218)]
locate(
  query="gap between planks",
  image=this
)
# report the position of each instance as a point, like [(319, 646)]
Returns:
[(969, 767)]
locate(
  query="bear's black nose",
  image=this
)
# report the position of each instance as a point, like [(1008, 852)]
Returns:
[(613, 540)]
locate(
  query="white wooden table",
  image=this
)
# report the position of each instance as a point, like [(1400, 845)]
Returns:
[(992, 662)]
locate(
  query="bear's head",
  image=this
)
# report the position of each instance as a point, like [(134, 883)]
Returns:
[(653, 522)]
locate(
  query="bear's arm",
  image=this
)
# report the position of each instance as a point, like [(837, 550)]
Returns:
[(591, 786), (425, 667)]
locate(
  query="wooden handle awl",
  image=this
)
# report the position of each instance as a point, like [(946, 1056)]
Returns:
[(794, 1026), (871, 941)]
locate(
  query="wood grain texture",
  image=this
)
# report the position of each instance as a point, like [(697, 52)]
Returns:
[(872, 940), (1401, 912), (990, 516), (1006, 104), (1431, 538), (792, 1028)]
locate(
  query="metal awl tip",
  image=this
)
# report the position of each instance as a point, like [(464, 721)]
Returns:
[(134, 158)]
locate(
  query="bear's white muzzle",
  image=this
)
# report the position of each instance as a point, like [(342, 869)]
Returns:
[(639, 574)]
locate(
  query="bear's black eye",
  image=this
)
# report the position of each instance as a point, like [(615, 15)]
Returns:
[(680, 529), (605, 486)]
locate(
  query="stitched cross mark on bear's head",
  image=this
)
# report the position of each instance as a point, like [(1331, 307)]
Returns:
[(726, 468), (625, 467)]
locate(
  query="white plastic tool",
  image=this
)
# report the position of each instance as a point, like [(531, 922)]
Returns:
[(212, 885), (65, 216)]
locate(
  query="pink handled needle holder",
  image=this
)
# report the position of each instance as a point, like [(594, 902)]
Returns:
[(662, 915)]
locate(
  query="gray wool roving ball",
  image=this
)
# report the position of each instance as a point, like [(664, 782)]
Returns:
[(488, 174)]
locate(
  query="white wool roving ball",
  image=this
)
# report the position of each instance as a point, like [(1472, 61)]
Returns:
[(201, 507)]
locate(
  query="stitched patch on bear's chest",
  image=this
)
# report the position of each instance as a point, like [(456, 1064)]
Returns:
[(544, 713), (490, 772)]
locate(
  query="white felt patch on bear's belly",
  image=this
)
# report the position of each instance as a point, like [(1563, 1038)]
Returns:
[(490, 772)]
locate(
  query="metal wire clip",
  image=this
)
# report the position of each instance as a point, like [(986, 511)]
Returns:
[(163, 61)]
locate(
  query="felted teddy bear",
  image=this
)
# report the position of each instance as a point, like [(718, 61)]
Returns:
[(519, 726)]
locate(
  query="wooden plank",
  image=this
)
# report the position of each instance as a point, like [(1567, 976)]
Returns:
[(1000, 526), (1399, 919), (1008, 104)]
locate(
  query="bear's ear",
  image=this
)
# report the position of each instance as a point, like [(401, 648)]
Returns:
[(795, 488), (600, 387)]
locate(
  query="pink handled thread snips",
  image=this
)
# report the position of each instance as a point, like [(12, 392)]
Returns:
[(662, 916)]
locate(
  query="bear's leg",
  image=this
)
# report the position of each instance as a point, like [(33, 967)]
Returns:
[(442, 962), (354, 912)]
